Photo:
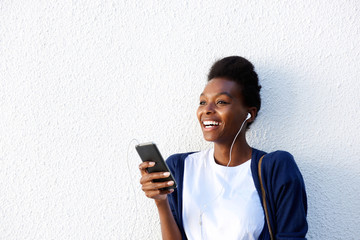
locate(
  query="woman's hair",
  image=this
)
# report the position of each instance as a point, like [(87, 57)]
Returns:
[(241, 71)]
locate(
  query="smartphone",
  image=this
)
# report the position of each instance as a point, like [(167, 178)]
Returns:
[(149, 152)]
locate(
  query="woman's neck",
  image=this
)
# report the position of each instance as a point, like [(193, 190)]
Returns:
[(241, 152)]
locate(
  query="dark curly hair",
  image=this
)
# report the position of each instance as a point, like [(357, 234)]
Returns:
[(241, 71)]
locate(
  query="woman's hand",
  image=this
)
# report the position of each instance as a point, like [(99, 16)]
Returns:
[(152, 189), (169, 228)]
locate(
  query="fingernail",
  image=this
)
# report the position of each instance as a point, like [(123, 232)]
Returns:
[(166, 174), (151, 164), (170, 183), (171, 190)]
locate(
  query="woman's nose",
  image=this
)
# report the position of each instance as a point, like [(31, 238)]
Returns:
[(209, 108)]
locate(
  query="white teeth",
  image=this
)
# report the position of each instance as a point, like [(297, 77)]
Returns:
[(211, 123)]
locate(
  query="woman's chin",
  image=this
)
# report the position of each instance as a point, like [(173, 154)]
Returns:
[(208, 140), (209, 137)]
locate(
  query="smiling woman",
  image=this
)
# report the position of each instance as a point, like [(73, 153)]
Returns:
[(221, 110), (232, 191)]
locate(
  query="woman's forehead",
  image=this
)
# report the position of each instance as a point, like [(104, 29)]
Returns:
[(220, 85)]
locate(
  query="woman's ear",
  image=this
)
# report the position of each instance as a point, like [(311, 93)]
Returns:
[(253, 112)]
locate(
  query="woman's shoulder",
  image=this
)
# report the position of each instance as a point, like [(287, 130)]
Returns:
[(282, 164), (275, 157), (280, 157), (178, 158)]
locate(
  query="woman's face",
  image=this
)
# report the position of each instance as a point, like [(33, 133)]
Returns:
[(221, 111)]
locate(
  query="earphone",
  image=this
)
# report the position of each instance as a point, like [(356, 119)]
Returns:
[(248, 116)]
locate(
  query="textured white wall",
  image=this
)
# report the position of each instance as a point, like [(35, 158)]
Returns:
[(80, 79)]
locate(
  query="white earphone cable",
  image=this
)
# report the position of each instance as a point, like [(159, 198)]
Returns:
[(132, 187), (225, 174)]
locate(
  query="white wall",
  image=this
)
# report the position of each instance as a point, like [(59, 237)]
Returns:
[(80, 79)]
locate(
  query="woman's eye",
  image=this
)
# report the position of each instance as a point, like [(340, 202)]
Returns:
[(202, 102), (221, 102)]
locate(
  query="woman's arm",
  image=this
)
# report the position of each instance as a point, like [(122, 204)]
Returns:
[(169, 228), (290, 199), (291, 211)]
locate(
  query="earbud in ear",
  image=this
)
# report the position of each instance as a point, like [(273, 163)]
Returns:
[(248, 116)]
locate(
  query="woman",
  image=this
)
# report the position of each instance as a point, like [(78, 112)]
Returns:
[(219, 193)]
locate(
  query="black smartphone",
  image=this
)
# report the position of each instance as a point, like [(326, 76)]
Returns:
[(149, 152)]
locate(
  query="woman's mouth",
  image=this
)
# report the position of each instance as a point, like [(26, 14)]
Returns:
[(211, 124)]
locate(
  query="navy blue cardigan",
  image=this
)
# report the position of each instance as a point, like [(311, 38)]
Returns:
[(284, 188)]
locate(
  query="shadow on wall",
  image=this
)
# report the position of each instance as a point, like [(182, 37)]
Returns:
[(333, 191), (331, 170), (279, 108)]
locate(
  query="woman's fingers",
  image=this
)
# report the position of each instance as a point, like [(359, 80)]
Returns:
[(147, 177), (144, 165), (153, 189), (156, 193), (156, 186)]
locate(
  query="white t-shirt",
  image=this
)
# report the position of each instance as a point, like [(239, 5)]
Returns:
[(226, 197)]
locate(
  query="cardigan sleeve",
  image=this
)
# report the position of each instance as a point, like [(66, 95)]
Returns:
[(288, 197), (176, 165), (172, 198)]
